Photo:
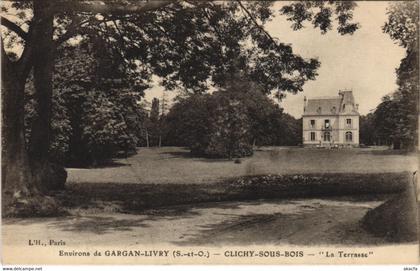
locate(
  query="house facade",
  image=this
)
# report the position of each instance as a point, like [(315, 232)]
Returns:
[(331, 121)]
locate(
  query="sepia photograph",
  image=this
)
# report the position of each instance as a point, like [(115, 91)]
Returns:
[(209, 132)]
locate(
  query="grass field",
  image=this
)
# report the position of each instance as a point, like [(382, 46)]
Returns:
[(295, 196), (171, 165)]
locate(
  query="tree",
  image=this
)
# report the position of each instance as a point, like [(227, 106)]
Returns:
[(213, 125), (384, 121), (186, 43), (229, 131), (154, 124), (396, 118), (288, 131), (154, 112), (268, 124), (228, 122), (95, 113), (368, 134), (188, 122)]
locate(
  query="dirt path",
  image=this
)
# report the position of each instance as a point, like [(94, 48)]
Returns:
[(301, 222)]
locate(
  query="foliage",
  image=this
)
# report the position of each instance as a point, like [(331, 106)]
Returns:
[(229, 121), (268, 124), (396, 118), (191, 44), (187, 43), (214, 125), (229, 130), (188, 122), (105, 115), (368, 135), (60, 126), (152, 126), (94, 114), (402, 24), (321, 13), (154, 112)]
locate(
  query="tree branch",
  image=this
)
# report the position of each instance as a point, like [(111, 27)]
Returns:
[(23, 65), (114, 8), (255, 22), (25, 62), (98, 7), (71, 31), (119, 33), (14, 27), (4, 58), (215, 28)]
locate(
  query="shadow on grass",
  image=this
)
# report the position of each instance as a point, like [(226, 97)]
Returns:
[(388, 152), (103, 164), (315, 224), (112, 164), (189, 155), (132, 198), (135, 198), (179, 154)]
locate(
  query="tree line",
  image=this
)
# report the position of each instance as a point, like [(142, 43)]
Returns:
[(394, 121), (97, 114)]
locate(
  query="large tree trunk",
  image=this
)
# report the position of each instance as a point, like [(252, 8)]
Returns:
[(21, 190), (49, 175), (16, 175), (21, 194)]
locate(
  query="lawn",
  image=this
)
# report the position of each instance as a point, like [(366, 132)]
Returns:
[(173, 165), (165, 195)]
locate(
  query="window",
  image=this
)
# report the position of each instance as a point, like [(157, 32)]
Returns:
[(348, 122), (312, 136), (327, 136), (327, 123), (349, 136), (344, 106), (312, 123)]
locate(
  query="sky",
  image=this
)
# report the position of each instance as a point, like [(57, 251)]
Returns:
[(364, 62)]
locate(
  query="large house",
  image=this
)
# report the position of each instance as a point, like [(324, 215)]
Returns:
[(331, 121)]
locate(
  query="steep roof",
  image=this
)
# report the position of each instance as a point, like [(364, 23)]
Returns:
[(331, 105), (322, 106), (347, 97)]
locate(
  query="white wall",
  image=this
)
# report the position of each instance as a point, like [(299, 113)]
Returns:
[(338, 124), (344, 128)]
